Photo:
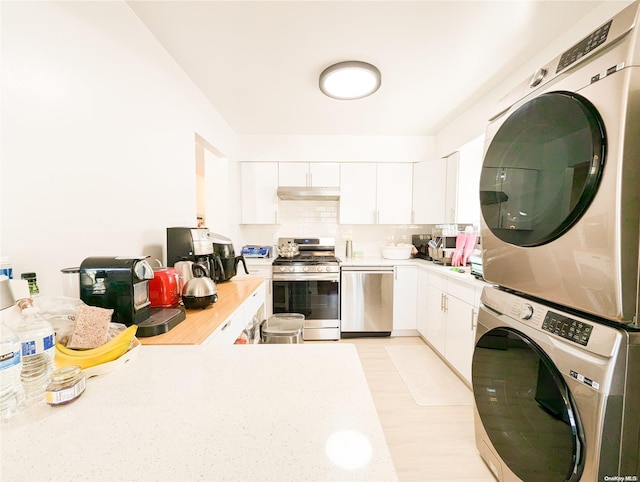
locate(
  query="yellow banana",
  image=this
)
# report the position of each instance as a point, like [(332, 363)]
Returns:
[(110, 351), (126, 334)]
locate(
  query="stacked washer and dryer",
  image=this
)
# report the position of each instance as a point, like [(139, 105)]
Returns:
[(556, 366)]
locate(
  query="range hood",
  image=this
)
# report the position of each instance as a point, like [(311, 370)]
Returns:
[(303, 193)]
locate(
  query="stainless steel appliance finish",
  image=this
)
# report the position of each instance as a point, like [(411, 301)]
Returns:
[(366, 301), (559, 183), (309, 284), (556, 396)]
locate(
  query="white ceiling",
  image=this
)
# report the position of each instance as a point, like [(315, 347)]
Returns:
[(258, 61)]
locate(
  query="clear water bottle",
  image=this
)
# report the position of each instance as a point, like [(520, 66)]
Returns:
[(38, 349), (11, 391)]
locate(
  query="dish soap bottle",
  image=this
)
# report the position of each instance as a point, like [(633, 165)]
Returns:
[(38, 350), (11, 391)]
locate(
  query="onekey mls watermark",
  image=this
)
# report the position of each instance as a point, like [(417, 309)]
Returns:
[(620, 478)]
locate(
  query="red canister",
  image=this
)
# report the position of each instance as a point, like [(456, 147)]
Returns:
[(164, 288)]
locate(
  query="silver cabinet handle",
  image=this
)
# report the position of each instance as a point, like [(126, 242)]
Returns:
[(473, 319), (446, 303), (442, 302)]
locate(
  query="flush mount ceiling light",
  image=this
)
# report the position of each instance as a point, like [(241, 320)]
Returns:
[(350, 80)]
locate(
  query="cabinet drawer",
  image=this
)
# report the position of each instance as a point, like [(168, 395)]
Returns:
[(228, 332), (254, 302), (437, 281), (462, 291)]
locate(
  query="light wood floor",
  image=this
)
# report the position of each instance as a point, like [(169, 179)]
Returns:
[(427, 444)]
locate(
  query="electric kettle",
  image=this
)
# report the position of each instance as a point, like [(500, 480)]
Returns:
[(200, 291)]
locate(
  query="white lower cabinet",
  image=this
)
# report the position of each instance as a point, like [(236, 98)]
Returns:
[(436, 314), (229, 330), (421, 303), (265, 271), (459, 335), (404, 299), (450, 312)]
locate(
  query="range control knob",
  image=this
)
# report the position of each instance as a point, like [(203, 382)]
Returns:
[(282, 268), (319, 268), (537, 77), (305, 268), (526, 311)]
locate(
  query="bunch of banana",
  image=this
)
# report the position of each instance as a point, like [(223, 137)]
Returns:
[(114, 348)]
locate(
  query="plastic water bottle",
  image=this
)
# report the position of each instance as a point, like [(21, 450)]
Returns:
[(11, 391), (38, 349)]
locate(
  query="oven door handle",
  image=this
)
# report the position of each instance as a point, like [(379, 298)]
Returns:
[(306, 277)]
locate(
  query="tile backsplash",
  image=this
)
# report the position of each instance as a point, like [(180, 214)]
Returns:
[(321, 219)]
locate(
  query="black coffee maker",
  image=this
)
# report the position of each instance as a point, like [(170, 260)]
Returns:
[(226, 266), (190, 244), (119, 283)]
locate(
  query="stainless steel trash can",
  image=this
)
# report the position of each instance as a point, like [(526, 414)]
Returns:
[(283, 328)]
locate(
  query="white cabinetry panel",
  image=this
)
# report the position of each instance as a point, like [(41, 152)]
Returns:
[(317, 174), (394, 199), (259, 192), (375, 193), (404, 298), (358, 193)]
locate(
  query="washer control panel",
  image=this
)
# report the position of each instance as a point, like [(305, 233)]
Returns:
[(565, 327), (586, 45)]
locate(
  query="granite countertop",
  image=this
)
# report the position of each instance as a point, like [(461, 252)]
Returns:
[(208, 412), (200, 324)]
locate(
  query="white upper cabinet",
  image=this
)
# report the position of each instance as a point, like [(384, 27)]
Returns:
[(375, 193), (451, 188), (395, 186), (259, 181), (446, 190), (429, 190), (468, 192), (358, 193), (309, 174)]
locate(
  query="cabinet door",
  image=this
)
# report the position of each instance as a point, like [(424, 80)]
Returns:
[(293, 174), (451, 189), (324, 174), (404, 297), (435, 318), (469, 168), (429, 190), (421, 304), (357, 193), (459, 335), (395, 187), (259, 192), (264, 270)]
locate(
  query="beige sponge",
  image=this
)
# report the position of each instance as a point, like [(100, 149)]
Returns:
[(92, 327)]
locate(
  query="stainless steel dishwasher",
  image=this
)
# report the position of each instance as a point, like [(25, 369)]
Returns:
[(366, 299)]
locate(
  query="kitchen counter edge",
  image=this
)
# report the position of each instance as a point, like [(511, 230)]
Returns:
[(200, 324)]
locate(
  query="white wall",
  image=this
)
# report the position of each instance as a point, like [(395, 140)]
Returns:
[(98, 135), (473, 121), (335, 148)]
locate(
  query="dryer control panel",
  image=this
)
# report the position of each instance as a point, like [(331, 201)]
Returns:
[(574, 330)]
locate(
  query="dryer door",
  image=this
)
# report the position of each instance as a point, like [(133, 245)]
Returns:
[(542, 169), (526, 408)]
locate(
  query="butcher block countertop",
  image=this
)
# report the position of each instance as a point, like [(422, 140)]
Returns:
[(200, 324)]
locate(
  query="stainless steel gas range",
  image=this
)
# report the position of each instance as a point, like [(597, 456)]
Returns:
[(309, 283)]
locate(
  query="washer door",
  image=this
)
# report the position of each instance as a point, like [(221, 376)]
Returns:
[(526, 408), (542, 169)]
